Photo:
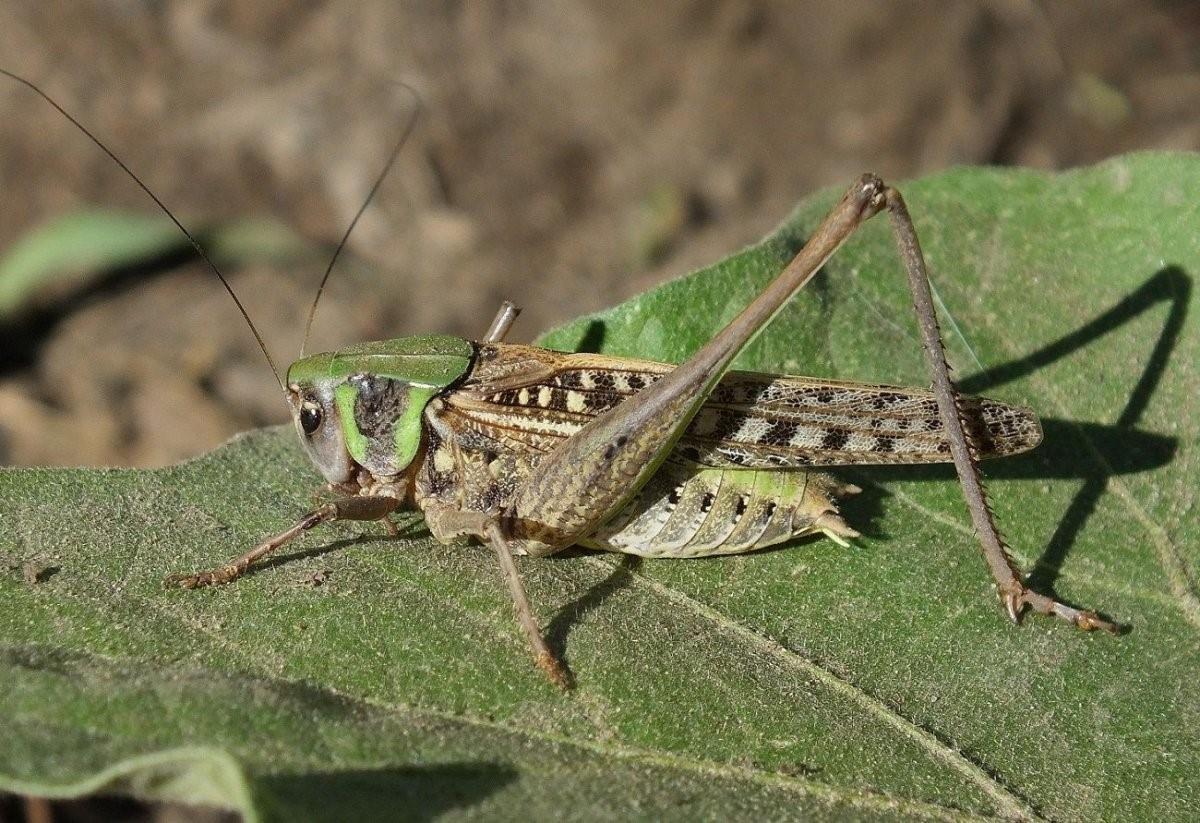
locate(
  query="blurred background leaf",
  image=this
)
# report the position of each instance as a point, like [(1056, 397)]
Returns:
[(78, 249)]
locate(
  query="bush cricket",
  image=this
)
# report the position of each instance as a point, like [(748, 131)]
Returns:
[(532, 451)]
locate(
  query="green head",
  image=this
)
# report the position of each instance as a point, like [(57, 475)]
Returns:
[(361, 406)]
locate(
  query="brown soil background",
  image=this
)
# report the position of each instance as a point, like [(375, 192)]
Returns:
[(571, 154)]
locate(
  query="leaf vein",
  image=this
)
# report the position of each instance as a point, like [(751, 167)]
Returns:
[(1007, 802)]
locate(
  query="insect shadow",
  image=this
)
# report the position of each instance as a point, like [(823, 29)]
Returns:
[(571, 613), (593, 337), (1093, 452), (408, 530)]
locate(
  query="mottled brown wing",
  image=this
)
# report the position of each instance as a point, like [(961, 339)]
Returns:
[(528, 399), (763, 421)]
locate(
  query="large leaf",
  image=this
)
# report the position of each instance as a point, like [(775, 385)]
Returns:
[(361, 676)]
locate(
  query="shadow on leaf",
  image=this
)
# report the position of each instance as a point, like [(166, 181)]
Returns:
[(405, 793), (592, 599), (1093, 452)]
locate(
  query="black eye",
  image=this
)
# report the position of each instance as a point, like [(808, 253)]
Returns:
[(310, 419)]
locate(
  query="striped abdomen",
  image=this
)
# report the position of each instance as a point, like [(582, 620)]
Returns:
[(691, 511)]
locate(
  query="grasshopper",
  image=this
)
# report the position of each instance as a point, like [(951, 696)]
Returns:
[(532, 451)]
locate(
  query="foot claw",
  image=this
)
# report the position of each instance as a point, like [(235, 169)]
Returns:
[(1085, 619), (392, 529), (550, 664), (198, 580), (181, 581), (1090, 621), (1014, 603)]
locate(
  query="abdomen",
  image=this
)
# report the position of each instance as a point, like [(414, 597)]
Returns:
[(693, 511)]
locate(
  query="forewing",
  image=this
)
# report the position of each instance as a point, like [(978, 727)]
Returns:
[(763, 421), (528, 399)]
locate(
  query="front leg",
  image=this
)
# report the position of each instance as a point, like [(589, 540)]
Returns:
[(350, 508), (506, 315)]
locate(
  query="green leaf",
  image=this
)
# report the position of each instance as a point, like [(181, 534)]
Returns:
[(361, 676), (76, 249)]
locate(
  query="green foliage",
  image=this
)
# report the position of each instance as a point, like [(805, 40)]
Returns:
[(77, 249), (359, 677)]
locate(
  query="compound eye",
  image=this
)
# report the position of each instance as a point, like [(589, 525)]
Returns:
[(310, 418)]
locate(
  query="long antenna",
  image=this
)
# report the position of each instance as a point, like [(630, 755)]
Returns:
[(408, 130), (191, 239)]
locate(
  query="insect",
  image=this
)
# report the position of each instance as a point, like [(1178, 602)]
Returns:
[(531, 450)]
